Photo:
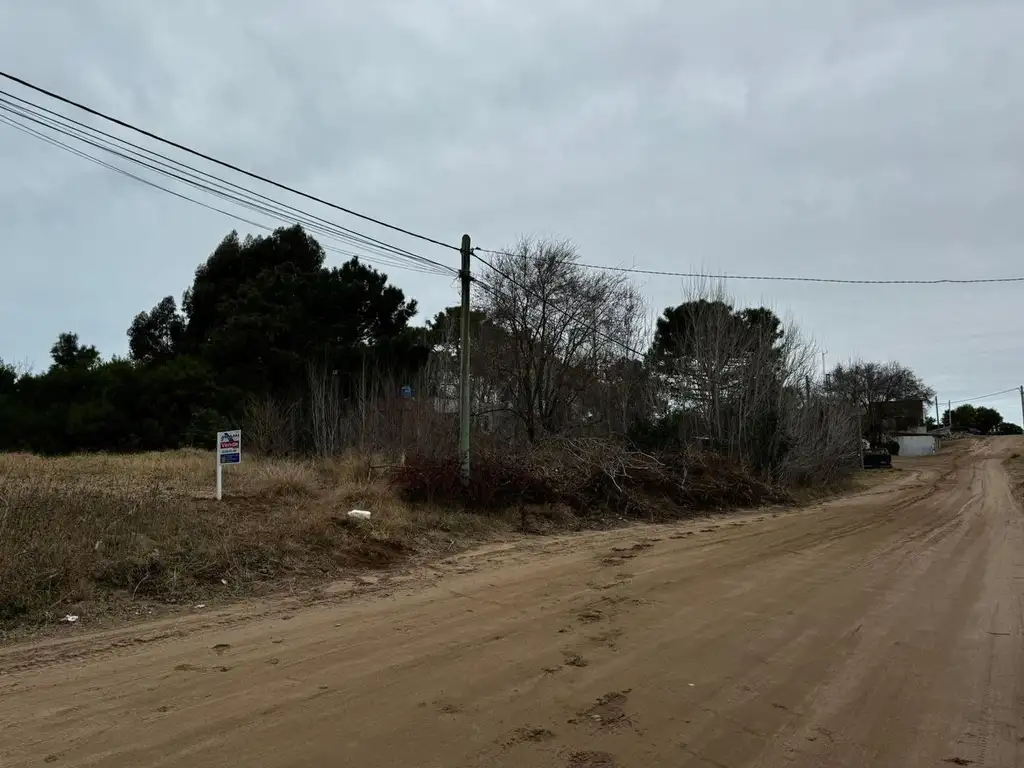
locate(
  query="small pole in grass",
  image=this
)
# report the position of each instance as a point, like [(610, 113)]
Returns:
[(229, 451)]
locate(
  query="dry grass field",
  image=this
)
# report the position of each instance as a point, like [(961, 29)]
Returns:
[(147, 527), (104, 534)]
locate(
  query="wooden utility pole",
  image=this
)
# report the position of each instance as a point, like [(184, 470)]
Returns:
[(1022, 405), (860, 439), (464, 376)]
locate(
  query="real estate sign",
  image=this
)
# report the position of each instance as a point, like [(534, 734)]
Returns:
[(229, 451), (229, 446)]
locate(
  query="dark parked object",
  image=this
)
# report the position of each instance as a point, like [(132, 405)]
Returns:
[(877, 458)]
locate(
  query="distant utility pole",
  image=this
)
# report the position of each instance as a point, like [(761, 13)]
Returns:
[(938, 419), (949, 410), (1022, 405), (464, 383), (824, 374), (860, 439)]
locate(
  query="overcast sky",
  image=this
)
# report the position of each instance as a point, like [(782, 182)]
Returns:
[(833, 138)]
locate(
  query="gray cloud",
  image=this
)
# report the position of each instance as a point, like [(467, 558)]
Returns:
[(838, 138)]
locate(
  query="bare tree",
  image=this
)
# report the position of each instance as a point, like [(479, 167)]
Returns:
[(820, 434), (865, 383), (272, 426), (740, 381), (441, 377), (562, 327), (626, 392), (886, 393), (325, 410)]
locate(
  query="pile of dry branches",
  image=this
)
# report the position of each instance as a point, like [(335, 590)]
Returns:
[(595, 477)]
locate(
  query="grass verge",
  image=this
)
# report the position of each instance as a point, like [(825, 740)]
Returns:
[(90, 528), (99, 530)]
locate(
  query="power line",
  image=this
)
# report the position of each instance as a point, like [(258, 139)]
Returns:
[(64, 124), (85, 155), (222, 163), (984, 397), (598, 332), (625, 346), (61, 145), (384, 253), (380, 259), (782, 278), (194, 178), (69, 127)]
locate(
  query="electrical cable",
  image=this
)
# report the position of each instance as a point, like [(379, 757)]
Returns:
[(84, 155), (275, 210), (373, 258), (214, 160), (73, 129), (983, 397), (781, 278)]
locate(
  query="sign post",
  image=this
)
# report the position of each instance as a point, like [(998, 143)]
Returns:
[(229, 451)]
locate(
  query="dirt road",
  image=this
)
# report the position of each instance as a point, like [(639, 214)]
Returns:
[(882, 630)]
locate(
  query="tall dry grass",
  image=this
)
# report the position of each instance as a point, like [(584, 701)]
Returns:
[(148, 526)]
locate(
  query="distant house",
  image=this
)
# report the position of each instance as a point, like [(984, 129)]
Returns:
[(917, 443), (897, 415), (892, 417)]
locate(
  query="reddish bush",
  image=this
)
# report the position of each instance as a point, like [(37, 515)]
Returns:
[(497, 482), (592, 477)]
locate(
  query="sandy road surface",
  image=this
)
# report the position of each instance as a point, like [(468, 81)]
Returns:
[(882, 630)]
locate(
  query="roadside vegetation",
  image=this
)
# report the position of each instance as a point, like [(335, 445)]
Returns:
[(1015, 470), (588, 411), (93, 528), (147, 527)]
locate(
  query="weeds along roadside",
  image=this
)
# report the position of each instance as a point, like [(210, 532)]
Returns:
[(146, 527)]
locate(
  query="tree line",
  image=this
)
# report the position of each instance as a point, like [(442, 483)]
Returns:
[(311, 358), (978, 419), (258, 311)]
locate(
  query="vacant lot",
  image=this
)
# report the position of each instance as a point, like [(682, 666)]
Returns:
[(127, 529), (103, 536), (885, 629)]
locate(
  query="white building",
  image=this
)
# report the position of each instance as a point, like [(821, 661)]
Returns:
[(917, 443)]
